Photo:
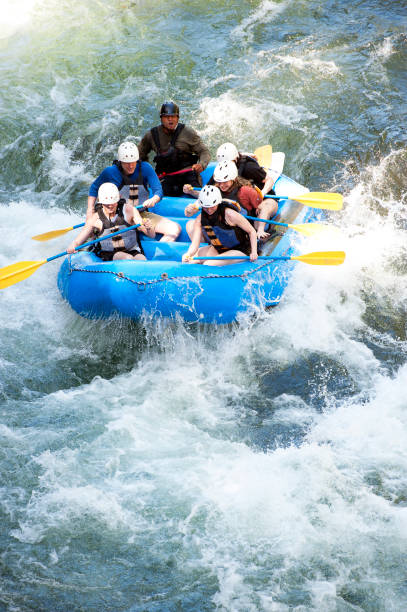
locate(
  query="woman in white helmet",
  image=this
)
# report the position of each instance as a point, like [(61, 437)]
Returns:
[(111, 217), (134, 179), (247, 167), (238, 189), (226, 231)]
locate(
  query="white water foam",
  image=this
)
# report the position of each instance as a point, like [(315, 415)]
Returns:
[(228, 114), (265, 13)]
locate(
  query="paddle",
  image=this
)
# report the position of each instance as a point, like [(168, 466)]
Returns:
[(277, 162), (17, 272), (321, 258), (315, 199), (264, 156), (174, 173), (55, 233), (308, 229)]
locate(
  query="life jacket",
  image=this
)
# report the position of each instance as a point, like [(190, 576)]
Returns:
[(219, 234), (130, 188), (172, 159), (243, 164), (233, 195), (128, 242)]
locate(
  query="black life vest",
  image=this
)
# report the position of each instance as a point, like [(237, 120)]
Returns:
[(129, 242), (222, 236), (234, 196), (243, 168), (172, 159)]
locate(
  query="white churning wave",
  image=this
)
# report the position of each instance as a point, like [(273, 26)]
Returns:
[(265, 13), (230, 114)]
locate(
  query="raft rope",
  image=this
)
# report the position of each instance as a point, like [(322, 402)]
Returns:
[(164, 277)]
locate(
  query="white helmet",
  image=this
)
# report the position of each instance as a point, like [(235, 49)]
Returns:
[(209, 196), (108, 194), (128, 152), (225, 171), (227, 152)]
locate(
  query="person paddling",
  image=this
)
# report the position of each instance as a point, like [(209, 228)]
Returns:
[(134, 178), (226, 231), (247, 167), (180, 153), (110, 217), (237, 189)]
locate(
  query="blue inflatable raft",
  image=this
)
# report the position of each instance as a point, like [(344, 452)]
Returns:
[(163, 286)]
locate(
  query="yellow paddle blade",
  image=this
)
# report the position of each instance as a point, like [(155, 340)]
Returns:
[(52, 234), (319, 199), (327, 258), (312, 229), (10, 275), (263, 155)]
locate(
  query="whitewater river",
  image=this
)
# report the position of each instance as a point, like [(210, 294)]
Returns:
[(167, 467)]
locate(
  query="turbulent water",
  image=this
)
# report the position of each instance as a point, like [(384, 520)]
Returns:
[(166, 467)]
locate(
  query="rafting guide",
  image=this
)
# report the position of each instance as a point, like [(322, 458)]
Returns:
[(180, 153)]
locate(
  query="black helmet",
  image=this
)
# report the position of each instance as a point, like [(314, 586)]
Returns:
[(169, 108)]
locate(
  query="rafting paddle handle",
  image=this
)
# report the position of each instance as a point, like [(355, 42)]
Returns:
[(308, 229), (10, 275), (318, 258), (183, 171)]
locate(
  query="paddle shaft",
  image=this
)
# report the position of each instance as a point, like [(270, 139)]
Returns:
[(88, 244), (324, 258), (22, 270), (267, 221), (163, 174), (281, 257)]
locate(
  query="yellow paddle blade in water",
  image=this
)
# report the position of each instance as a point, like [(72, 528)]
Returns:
[(319, 199), (264, 155), (322, 258), (52, 234), (312, 229), (10, 275)]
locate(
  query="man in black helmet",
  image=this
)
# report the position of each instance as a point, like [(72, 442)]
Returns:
[(180, 153)]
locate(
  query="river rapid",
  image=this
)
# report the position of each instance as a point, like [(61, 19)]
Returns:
[(161, 466)]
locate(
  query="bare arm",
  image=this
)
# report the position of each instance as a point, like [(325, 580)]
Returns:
[(268, 184), (91, 207), (133, 216), (83, 235), (234, 218)]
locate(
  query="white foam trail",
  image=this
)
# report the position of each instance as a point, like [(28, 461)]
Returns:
[(63, 170), (307, 62), (386, 48), (265, 13)]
